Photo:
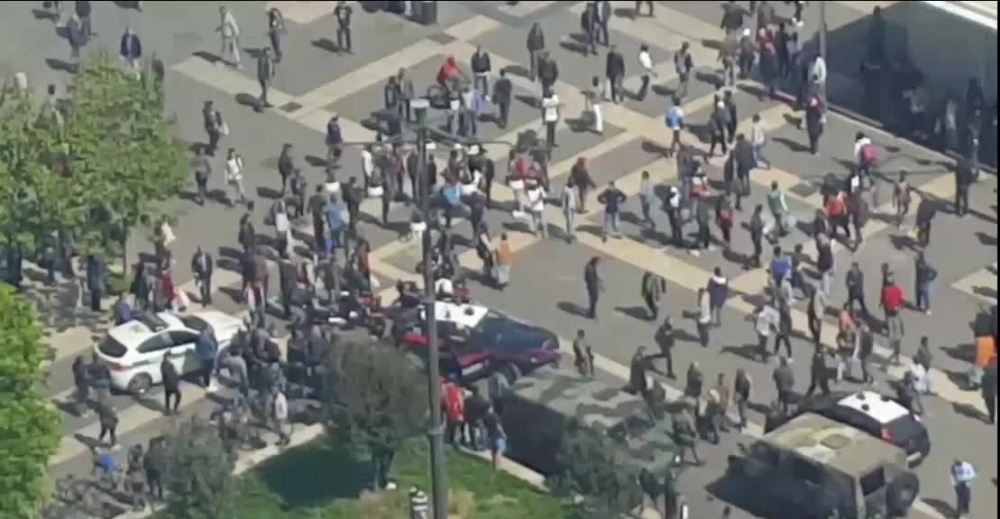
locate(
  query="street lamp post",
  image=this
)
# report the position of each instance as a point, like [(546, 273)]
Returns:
[(822, 30)]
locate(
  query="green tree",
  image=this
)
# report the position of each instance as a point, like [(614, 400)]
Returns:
[(29, 427), (33, 199), (590, 466), (124, 152), (378, 400), (200, 473)]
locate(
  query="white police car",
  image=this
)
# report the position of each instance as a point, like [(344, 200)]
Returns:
[(134, 350), (875, 414)]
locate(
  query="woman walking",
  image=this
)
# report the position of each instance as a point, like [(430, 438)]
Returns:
[(275, 31), (505, 256)]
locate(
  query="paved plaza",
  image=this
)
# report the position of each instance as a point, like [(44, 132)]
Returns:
[(313, 82)]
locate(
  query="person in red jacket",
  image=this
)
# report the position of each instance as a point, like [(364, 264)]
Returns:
[(453, 401), (892, 303)]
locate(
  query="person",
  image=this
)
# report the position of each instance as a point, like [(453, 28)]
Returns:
[(454, 409), (683, 64), (825, 263), (962, 476), (766, 320), (612, 198), (123, 312), (652, 290), (901, 197), (130, 49), (638, 383), (647, 195), (781, 267), (856, 288), (502, 89), (742, 390), (496, 435), (580, 358), (718, 122), (202, 267), (965, 176), (96, 281), (153, 464), (718, 293), (818, 303), (646, 65), (109, 423), (551, 115), (858, 211), (685, 435), (925, 276), (784, 382), (815, 122), (342, 13), (207, 349), (866, 347), (80, 382), (171, 385), (580, 176), (282, 426), (202, 171), (665, 340), (756, 228), (234, 177), (504, 262), (718, 398), (674, 119), (594, 285), (704, 318), (536, 199), (570, 207), (536, 45), (614, 71), (892, 302), (819, 374), (276, 31), (988, 390), (481, 68), (229, 30), (778, 205)]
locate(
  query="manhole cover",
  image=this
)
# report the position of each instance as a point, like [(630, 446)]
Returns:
[(442, 38)]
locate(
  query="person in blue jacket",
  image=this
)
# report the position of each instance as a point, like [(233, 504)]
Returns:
[(207, 349)]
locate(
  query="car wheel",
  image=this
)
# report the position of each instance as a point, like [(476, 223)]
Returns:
[(511, 372), (140, 384), (901, 494)]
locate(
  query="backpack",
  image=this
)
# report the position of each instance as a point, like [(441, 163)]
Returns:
[(674, 118), (869, 154)]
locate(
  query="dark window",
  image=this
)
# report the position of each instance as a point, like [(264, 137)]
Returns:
[(178, 338), (873, 482), (804, 471), (156, 343), (112, 348), (856, 419), (194, 323)]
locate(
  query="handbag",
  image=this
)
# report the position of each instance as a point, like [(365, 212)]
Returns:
[(224, 128)]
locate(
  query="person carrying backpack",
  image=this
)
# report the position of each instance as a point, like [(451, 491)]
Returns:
[(865, 155)]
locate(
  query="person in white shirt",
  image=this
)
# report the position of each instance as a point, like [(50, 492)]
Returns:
[(570, 206), (550, 115), (758, 138), (536, 199), (594, 97), (646, 63), (817, 77), (281, 424), (367, 165), (234, 175), (230, 33)]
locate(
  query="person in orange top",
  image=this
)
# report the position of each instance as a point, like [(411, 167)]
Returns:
[(453, 402), (986, 353), (836, 213)]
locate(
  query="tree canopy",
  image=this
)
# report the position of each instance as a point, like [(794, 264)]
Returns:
[(378, 397), (93, 168), (29, 427), (200, 473), (591, 467)]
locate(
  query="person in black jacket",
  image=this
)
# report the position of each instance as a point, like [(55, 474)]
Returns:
[(815, 121), (745, 162), (109, 423), (819, 375), (548, 71), (481, 68), (536, 44), (286, 166), (717, 125), (80, 383), (171, 385), (614, 70), (202, 267), (130, 49), (502, 89), (287, 275), (594, 284), (965, 175), (732, 116)]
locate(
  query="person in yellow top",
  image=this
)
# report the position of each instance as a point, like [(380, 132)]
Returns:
[(505, 257)]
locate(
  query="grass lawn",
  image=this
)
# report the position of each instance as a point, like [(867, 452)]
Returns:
[(317, 481)]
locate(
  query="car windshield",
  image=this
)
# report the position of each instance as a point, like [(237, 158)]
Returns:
[(111, 348), (497, 331), (192, 322)]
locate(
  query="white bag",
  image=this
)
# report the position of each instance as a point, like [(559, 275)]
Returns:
[(331, 188), (181, 300), (224, 128), (281, 223), (375, 191), (516, 185)]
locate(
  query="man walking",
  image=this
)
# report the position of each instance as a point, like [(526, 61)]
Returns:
[(646, 65), (265, 75), (962, 475), (925, 276), (343, 14), (96, 281), (614, 71), (594, 284), (989, 390), (207, 349), (570, 207), (778, 205), (683, 64), (603, 14), (784, 382), (745, 155), (288, 276), (675, 123), (202, 267), (229, 30), (757, 235), (819, 374), (718, 293), (664, 338), (502, 89), (758, 138), (171, 385), (481, 68), (612, 198), (742, 389), (704, 317), (965, 175), (817, 309), (856, 288), (536, 44), (653, 287), (130, 49)]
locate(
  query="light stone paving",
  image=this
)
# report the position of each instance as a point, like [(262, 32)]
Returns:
[(979, 284)]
